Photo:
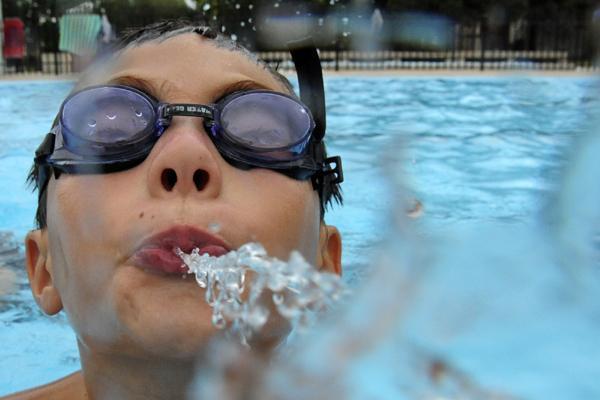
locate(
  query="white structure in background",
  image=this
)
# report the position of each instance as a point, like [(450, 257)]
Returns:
[(108, 33), (376, 21)]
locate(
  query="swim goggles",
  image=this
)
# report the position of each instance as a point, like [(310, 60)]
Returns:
[(112, 128)]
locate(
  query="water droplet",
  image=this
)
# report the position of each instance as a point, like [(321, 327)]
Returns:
[(111, 116), (242, 23), (277, 282), (206, 6), (258, 317), (332, 2), (234, 37), (201, 279), (345, 20), (250, 20), (297, 12), (250, 6), (289, 312), (277, 298), (223, 28), (138, 113), (218, 321), (276, 5), (237, 6), (345, 34), (320, 21), (304, 321), (92, 123)]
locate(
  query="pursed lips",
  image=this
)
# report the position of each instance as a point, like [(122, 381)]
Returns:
[(157, 253)]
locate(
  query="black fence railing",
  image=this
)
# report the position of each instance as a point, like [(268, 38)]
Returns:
[(468, 46), (451, 60)]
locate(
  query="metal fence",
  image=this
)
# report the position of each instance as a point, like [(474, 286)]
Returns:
[(472, 46), (442, 60)]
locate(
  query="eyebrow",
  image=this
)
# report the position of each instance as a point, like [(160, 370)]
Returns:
[(240, 86), (148, 87), (138, 83)]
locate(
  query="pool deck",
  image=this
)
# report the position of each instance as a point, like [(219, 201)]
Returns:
[(461, 73), (370, 73)]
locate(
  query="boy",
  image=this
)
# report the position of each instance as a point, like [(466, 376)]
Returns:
[(150, 153)]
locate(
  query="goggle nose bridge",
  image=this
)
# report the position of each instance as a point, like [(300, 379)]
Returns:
[(167, 111)]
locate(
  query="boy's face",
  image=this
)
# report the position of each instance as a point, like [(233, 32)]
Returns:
[(83, 260)]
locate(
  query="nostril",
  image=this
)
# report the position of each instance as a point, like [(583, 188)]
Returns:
[(168, 179), (200, 179)]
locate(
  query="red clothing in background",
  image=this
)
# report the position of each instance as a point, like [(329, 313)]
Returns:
[(14, 38)]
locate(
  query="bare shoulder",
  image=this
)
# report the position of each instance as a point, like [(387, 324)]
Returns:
[(67, 388)]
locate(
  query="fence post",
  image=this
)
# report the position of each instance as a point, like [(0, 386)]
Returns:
[(337, 53), (454, 41), (482, 44), (55, 20)]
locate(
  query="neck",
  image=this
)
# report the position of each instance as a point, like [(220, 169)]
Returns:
[(120, 377)]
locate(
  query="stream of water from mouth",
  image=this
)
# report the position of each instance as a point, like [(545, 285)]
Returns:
[(239, 283)]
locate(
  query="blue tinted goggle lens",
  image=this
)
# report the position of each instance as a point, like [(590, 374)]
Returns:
[(101, 119), (255, 125), (265, 121)]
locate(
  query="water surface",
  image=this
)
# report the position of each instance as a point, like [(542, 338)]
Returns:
[(483, 153)]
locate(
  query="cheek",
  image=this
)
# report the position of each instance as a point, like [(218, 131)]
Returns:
[(85, 221), (92, 209), (283, 214)]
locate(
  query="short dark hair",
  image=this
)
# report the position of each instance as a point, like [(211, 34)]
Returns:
[(163, 30)]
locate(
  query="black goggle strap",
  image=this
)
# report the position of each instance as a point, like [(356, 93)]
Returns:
[(331, 171), (324, 180), (312, 93), (310, 80)]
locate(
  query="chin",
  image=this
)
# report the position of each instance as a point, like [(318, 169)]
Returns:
[(174, 339), (164, 320)]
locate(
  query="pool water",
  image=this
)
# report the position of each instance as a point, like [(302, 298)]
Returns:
[(485, 157)]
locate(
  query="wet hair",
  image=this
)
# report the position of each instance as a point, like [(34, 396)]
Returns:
[(162, 31)]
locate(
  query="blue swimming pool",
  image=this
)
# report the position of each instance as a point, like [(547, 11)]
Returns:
[(480, 154)]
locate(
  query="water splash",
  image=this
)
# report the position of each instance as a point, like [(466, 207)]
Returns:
[(214, 227), (296, 289)]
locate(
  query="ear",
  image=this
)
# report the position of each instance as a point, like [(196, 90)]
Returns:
[(329, 258), (39, 271)]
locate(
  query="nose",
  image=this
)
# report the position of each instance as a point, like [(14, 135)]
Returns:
[(184, 162)]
